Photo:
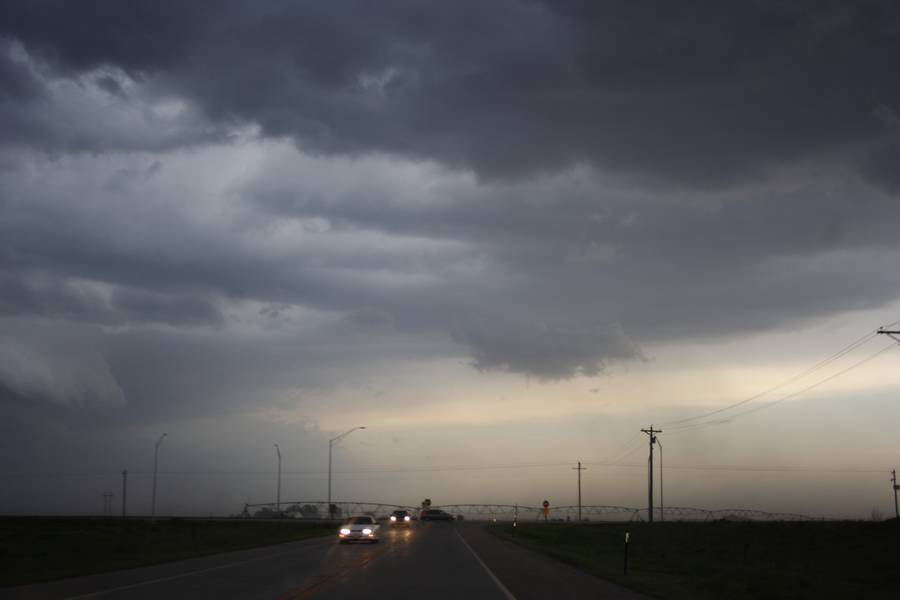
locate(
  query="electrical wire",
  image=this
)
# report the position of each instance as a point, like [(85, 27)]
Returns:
[(814, 385), (363, 471), (622, 456), (730, 418), (625, 449), (808, 371)]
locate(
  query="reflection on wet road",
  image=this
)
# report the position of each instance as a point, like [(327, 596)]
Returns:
[(342, 563), (425, 560)]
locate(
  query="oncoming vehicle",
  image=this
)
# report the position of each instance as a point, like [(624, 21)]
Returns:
[(436, 514), (400, 517), (361, 529)]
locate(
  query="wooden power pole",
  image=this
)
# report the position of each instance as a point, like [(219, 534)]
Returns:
[(652, 433), (579, 468)]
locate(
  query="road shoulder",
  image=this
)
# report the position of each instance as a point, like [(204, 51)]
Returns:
[(104, 583), (530, 575)]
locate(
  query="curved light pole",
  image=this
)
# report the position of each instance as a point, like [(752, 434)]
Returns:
[(331, 444), (278, 490), (155, 464)]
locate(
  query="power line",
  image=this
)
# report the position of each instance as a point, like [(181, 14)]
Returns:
[(636, 444), (729, 418), (751, 468), (748, 468), (815, 385), (808, 371)]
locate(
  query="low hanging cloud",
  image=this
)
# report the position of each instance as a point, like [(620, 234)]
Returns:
[(64, 373), (389, 249), (547, 352)]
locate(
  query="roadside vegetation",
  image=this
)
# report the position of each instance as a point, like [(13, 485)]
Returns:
[(728, 559), (42, 549)]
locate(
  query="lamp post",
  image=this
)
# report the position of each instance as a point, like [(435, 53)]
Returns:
[(155, 464), (278, 490), (662, 516), (331, 444)]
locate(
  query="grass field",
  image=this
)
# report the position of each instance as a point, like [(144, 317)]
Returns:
[(727, 559), (42, 549)]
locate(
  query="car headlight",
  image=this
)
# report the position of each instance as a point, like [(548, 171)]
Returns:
[(345, 531), (406, 518), (393, 518), (367, 531)]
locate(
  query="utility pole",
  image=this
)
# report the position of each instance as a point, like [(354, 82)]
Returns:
[(890, 333), (278, 489), (896, 487), (579, 468), (652, 433), (124, 491), (893, 335)]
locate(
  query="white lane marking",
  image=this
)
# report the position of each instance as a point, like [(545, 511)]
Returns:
[(499, 583), (182, 575)]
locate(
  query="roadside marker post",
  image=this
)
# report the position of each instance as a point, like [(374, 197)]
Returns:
[(627, 535), (896, 489)]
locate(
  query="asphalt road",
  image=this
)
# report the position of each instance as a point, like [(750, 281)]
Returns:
[(429, 560)]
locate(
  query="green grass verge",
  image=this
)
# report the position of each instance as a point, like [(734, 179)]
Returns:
[(727, 559), (43, 549)]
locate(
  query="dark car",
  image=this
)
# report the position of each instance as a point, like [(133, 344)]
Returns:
[(435, 514), (400, 517)]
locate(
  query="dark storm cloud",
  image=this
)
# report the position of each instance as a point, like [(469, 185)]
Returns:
[(97, 111), (17, 82), (704, 93), (694, 127), (544, 351), (139, 37), (798, 216), (23, 293), (882, 166), (525, 277)]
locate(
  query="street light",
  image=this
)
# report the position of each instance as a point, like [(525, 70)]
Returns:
[(662, 516), (155, 464), (331, 444), (278, 492)]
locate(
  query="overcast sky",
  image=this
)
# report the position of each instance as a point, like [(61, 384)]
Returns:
[(497, 234)]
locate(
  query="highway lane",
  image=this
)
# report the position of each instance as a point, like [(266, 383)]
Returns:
[(427, 560)]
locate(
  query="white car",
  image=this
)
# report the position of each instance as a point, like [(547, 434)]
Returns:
[(361, 529)]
